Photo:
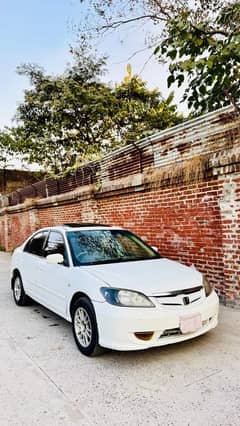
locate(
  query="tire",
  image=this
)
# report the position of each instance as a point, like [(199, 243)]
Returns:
[(84, 326), (19, 295)]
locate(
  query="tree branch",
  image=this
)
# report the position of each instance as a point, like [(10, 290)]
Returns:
[(117, 24)]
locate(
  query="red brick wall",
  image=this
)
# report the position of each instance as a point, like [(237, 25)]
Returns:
[(183, 222), (229, 202), (193, 222)]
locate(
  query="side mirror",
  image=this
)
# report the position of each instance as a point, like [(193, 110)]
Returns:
[(55, 258), (155, 248)]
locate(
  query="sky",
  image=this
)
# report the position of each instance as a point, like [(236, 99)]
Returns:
[(40, 31), (30, 31)]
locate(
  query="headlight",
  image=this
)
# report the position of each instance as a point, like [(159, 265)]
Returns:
[(207, 286), (127, 298)]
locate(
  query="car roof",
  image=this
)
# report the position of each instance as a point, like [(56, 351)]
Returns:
[(81, 226), (84, 225)]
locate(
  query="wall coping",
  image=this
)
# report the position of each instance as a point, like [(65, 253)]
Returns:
[(185, 125)]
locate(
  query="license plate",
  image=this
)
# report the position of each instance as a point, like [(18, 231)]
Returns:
[(190, 323)]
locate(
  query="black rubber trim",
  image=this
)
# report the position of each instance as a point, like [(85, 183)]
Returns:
[(175, 293)]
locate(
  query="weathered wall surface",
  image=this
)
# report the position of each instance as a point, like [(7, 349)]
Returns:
[(180, 189), (12, 180)]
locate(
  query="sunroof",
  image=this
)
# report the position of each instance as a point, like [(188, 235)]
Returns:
[(79, 225)]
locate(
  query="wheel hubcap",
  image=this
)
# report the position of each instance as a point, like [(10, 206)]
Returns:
[(17, 289), (83, 327)]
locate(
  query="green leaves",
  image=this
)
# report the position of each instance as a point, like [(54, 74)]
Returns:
[(200, 40), (68, 119), (141, 111), (180, 79), (65, 117), (170, 80), (172, 54), (210, 62), (202, 46), (5, 148)]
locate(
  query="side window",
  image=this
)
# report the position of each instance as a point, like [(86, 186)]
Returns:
[(55, 244), (36, 243)]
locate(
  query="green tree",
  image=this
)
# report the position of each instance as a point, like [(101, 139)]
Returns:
[(205, 48), (63, 118), (6, 149), (6, 155), (140, 111), (68, 119), (199, 39)]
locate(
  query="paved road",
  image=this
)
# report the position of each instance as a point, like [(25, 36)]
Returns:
[(44, 380)]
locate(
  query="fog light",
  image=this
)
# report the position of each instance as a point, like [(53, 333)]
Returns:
[(144, 335)]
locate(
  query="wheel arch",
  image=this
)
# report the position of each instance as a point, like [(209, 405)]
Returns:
[(76, 296), (15, 273)]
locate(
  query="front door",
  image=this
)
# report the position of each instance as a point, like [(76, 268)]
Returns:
[(53, 278)]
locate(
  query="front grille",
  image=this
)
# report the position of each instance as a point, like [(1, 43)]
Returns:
[(177, 332), (171, 332), (180, 297)]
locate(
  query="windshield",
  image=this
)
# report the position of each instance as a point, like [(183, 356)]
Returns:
[(91, 247)]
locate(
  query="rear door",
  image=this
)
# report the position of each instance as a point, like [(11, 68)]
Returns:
[(33, 256)]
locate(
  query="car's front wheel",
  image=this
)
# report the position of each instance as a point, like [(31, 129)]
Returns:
[(19, 295), (85, 329)]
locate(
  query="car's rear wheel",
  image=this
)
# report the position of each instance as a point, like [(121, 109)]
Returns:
[(85, 329), (19, 295)]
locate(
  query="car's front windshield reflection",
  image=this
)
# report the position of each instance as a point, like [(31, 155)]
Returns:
[(90, 247)]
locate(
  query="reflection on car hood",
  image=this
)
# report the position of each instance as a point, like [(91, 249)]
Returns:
[(147, 276)]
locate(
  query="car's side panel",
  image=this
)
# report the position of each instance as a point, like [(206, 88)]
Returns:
[(52, 286), (26, 264), (56, 285), (80, 281)]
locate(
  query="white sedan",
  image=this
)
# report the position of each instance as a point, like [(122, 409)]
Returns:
[(117, 291)]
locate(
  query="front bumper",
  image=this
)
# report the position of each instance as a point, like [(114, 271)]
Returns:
[(117, 325)]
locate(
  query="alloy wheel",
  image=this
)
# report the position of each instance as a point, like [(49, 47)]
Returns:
[(17, 289), (83, 327)]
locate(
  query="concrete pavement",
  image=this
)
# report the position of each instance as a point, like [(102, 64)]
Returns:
[(44, 380)]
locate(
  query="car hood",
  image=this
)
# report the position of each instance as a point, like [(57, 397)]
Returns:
[(149, 276)]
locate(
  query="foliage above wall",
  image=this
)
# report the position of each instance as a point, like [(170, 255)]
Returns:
[(68, 119), (200, 41)]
